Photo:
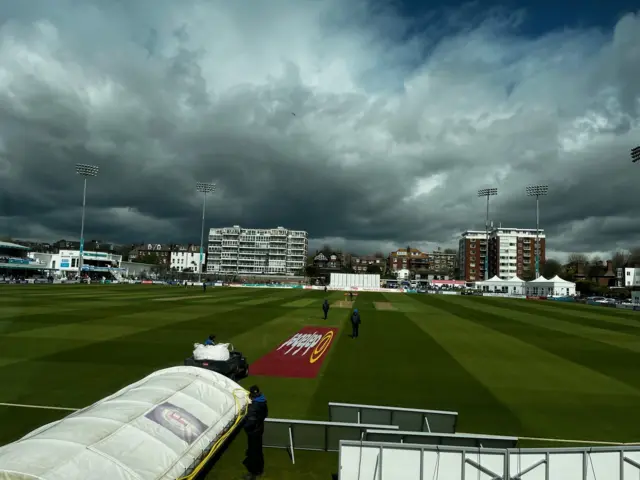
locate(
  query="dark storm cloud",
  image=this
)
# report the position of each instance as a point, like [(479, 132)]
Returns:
[(277, 106)]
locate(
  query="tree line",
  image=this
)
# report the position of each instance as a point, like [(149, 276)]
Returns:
[(590, 267)]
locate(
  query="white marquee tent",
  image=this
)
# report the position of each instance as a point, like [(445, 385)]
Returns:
[(155, 429), (555, 286), (541, 286), (516, 286), (494, 284), (497, 285)]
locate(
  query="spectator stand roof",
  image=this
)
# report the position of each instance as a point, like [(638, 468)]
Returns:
[(13, 246), (24, 266), (15, 265)]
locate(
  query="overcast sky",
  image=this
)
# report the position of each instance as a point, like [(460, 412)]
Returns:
[(338, 117)]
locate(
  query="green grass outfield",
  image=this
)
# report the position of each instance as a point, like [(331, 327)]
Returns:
[(534, 369)]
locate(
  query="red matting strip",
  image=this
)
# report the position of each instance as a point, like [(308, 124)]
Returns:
[(300, 356)]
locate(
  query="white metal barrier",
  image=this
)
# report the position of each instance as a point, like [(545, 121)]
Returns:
[(312, 435), (449, 439), (410, 419), (390, 461)]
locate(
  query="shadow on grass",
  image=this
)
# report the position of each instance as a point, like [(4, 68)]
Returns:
[(211, 467), (216, 457)]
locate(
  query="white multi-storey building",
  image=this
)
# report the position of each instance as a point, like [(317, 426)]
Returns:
[(249, 251), (186, 258), (512, 251), (631, 277)]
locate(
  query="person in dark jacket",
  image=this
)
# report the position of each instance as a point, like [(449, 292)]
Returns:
[(325, 308), (254, 428), (355, 323)]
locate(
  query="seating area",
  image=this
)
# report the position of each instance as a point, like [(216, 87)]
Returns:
[(17, 260)]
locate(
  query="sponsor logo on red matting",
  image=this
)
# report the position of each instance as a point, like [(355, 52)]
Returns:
[(300, 356)]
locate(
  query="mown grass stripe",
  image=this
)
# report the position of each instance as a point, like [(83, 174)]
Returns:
[(598, 334), (396, 362), (594, 312), (607, 323), (596, 309), (614, 362), (516, 371)]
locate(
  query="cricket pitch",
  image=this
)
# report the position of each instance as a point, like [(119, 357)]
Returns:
[(384, 306), (343, 304)]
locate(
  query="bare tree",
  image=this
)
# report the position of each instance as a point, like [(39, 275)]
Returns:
[(619, 259), (576, 258), (596, 267), (634, 257), (595, 260)]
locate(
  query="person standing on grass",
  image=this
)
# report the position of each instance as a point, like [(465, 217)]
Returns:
[(254, 428), (355, 323), (325, 308)]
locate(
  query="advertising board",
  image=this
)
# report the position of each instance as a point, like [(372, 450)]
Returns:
[(562, 299), (624, 306)]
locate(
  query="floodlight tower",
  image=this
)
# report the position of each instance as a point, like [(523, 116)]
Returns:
[(85, 171), (203, 188), (487, 192), (537, 191), (635, 154)]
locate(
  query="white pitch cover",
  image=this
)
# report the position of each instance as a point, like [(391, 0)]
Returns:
[(154, 429)]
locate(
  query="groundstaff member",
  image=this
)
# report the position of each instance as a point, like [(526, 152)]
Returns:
[(254, 427), (325, 308), (355, 323)]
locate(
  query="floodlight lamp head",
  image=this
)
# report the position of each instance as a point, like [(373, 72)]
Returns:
[(487, 192), (635, 154), (203, 187), (537, 190), (87, 170)]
